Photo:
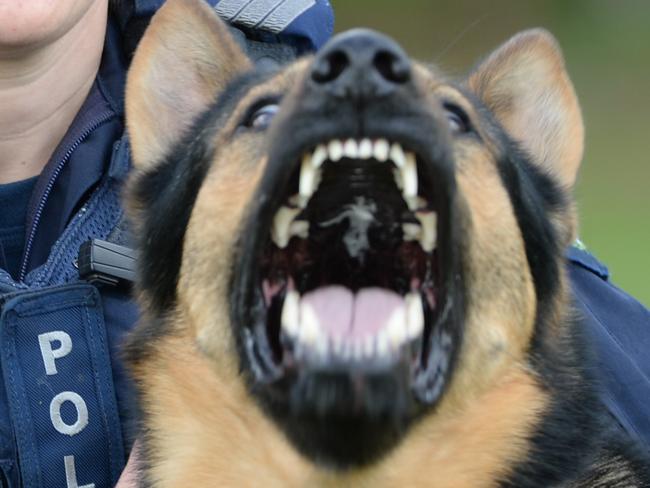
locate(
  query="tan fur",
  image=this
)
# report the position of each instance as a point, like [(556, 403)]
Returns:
[(214, 228), (526, 86), (176, 64), (203, 419), (500, 320)]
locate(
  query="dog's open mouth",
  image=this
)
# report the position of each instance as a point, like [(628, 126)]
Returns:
[(349, 276), (349, 271), (347, 295)]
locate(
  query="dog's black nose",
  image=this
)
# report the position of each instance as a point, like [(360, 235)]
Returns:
[(361, 64)]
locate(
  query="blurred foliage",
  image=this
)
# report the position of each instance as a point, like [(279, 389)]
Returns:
[(606, 44)]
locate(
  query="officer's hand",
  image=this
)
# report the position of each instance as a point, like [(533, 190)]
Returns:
[(129, 478)]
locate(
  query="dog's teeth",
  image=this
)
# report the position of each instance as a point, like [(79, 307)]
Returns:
[(290, 318), (380, 150), (309, 179), (410, 176), (412, 232), (397, 155), (310, 332), (319, 156), (281, 228), (414, 315), (351, 149), (365, 149), (396, 328), (428, 237), (335, 149), (299, 228), (322, 346), (381, 344), (415, 203)]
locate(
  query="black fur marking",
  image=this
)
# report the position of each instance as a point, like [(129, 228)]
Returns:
[(168, 192), (535, 196), (568, 434), (569, 428)]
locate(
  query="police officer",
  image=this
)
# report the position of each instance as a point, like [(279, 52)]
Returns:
[(64, 397)]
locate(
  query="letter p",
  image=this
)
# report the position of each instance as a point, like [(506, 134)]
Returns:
[(50, 354)]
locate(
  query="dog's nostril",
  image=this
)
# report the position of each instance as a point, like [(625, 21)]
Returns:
[(330, 67), (392, 67)]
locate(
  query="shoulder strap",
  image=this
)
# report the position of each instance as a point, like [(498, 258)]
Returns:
[(618, 328)]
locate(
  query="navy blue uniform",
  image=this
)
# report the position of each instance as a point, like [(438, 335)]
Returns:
[(618, 327), (64, 396)]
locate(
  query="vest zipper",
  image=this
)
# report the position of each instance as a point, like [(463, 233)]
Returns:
[(48, 189)]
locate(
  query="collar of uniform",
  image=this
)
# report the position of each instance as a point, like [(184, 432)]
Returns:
[(579, 255), (303, 24), (111, 77), (81, 158)]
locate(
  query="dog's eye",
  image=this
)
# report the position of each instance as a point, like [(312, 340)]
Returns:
[(457, 119), (261, 118)]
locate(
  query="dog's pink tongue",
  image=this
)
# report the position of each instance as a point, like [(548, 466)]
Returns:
[(345, 314)]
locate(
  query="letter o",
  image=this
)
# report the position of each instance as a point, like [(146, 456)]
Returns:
[(55, 413)]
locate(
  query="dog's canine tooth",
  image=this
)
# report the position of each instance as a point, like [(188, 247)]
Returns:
[(411, 231), (299, 228), (410, 176), (281, 228), (380, 150), (351, 149), (397, 155), (415, 203), (310, 331), (365, 149), (335, 149), (319, 156), (381, 344), (309, 179), (290, 318), (414, 315), (428, 237), (396, 328)]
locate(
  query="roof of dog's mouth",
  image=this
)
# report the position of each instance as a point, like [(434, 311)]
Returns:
[(345, 273)]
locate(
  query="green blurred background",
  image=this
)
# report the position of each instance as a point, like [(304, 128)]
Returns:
[(606, 44)]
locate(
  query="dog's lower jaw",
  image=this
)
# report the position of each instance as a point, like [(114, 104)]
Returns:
[(222, 438)]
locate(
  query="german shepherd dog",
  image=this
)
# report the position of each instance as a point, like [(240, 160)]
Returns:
[(351, 268)]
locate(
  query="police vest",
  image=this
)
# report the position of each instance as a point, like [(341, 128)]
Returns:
[(58, 412)]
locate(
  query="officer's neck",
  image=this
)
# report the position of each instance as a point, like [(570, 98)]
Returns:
[(41, 90)]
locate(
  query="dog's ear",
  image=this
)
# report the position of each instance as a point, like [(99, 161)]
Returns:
[(525, 84), (184, 59)]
